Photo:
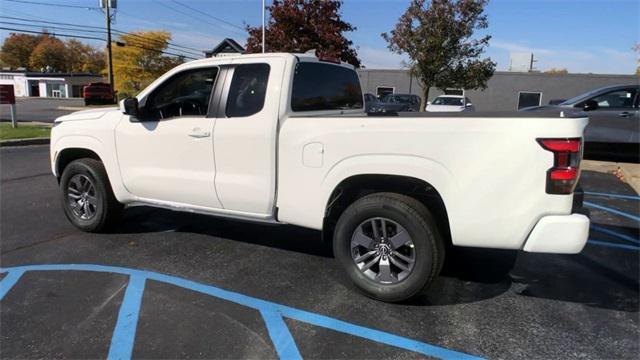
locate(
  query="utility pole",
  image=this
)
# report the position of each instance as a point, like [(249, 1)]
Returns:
[(106, 4), (263, 15)]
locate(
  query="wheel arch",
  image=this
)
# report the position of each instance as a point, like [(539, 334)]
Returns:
[(68, 148), (67, 155), (357, 186)]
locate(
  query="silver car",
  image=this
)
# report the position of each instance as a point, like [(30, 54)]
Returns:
[(613, 132)]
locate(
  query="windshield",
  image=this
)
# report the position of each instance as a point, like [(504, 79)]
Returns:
[(580, 97), (451, 101)]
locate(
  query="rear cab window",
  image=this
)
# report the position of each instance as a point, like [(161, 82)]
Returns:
[(320, 87)]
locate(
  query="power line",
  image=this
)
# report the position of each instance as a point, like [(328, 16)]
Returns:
[(46, 33), (208, 15), (100, 30), (51, 27), (57, 5), (191, 16), (95, 38)]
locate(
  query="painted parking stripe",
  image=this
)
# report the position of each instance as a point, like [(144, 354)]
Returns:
[(280, 335), (263, 305), (613, 211), (613, 245), (615, 234), (125, 331), (615, 196), (9, 280)]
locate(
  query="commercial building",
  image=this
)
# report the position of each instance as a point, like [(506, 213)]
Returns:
[(39, 84), (506, 91)]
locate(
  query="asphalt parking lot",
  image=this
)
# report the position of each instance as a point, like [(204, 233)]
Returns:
[(169, 285)]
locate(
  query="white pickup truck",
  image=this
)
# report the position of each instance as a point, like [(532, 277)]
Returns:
[(283, 138)]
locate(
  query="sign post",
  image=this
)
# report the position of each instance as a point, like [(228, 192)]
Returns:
[(8, 97)]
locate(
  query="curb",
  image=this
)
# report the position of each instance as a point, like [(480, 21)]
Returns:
[(25, 142)]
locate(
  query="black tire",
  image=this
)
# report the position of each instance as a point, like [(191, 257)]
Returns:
[(107, 209), (418, 222), (87, 102)]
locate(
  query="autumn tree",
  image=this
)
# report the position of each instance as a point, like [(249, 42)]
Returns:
[(557, 71), (82, 57), (301, 25), (438, 38), (17, 48), (49, 55), (141, 60)]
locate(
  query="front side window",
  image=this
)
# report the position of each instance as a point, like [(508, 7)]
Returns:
[(616, 99), (248, 89), (318, 86), (184, 94)]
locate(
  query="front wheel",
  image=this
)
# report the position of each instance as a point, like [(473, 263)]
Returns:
[(389, 246), (87, 198)]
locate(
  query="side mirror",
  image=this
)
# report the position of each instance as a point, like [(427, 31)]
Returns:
[(428, 102), (590, 105), (468, 105), (129, 106)]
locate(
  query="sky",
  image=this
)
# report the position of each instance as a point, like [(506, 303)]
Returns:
[(583, 36)]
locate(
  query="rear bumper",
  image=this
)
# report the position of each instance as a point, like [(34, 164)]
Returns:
[(559, 234)]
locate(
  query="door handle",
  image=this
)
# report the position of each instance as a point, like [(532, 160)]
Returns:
[(624, 114), (197, 133)]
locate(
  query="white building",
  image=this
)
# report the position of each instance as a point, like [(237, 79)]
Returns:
[(38, 84)]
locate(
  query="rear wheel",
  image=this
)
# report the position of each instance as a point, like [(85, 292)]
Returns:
[(87, 198), (389, 246)]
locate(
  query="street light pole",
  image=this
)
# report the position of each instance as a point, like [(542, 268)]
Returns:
[(263, 14)]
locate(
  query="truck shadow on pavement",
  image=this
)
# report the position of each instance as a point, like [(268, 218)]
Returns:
[(601, 276)]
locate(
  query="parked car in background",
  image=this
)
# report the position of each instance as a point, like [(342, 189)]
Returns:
[(396, 103), (370, 102), (98, 93), (450, 103), (614, 121)]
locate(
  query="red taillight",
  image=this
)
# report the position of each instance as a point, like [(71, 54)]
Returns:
[(568, 145), (563, 176)]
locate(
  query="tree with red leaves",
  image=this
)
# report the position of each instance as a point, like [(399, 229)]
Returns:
[(301, 25)]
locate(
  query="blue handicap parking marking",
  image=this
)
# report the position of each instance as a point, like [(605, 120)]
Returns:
[(613, 196), (8, 281), (124, 333), (622, 241), (612, 211), (273, 314), (612, 245)]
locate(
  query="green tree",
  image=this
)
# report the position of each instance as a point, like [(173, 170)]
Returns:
[(438, 38), (17, 48), (301, 25), (141, 60), (49, 54)]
